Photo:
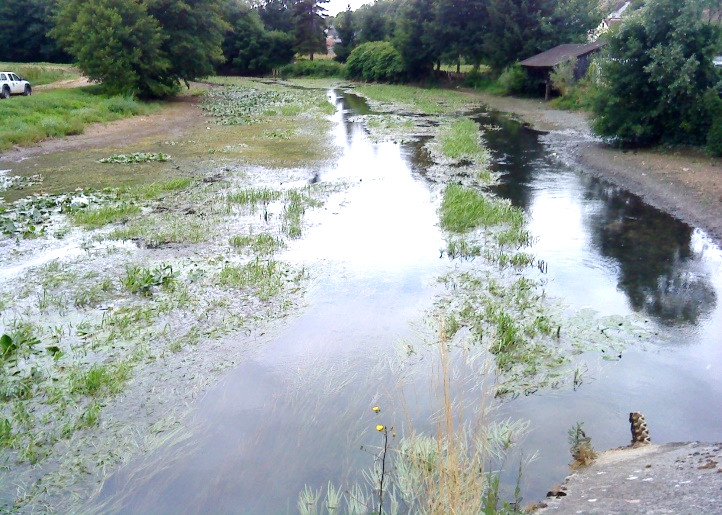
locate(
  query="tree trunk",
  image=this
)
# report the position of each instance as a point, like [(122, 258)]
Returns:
[(310, 56)]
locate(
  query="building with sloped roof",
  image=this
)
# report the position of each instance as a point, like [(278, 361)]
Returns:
[(540, 66)]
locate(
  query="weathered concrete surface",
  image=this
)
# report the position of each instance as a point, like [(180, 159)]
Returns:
[(669, 478)]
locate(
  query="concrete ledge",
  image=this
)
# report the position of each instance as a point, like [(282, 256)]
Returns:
[(669, 478)]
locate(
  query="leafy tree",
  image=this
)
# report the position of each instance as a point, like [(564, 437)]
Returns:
[(278, 15), (346, 30), (658, 73), (517, 29), (375, 61), (414, 39), (117, 43), (249, 48), (142, 46), (24, 25), (310, 25), (377, 21), (194, 32)]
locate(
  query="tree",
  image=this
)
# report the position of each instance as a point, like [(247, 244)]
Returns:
[(517, 29), (193, 31), (278, 15), (310, 25), (141, 47), (24, 25), (116, 43), (658, 71), (346, 30), (249, 48), (414, 39)]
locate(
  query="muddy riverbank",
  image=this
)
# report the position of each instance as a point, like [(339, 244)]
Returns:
[(683, 183)]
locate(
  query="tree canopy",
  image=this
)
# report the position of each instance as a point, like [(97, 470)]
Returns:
[(142, 47), (659, 83)]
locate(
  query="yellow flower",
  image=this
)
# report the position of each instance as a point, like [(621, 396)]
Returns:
[(380, 428), (376, 409)]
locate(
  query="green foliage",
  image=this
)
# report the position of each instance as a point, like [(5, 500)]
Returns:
[(377, 62), (660, 68), (24, 25), (306, 68), (514, 81), (581, 446), (413, 39), (309, 27), (462, 140), (713, 104), (562, 76), (104, 215), (249, 48), (143, 280), (135, 157), (517, 29), (141, 48), (463, 209), (346, 30)]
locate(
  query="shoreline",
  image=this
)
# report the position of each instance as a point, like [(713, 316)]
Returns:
[(683, 183)]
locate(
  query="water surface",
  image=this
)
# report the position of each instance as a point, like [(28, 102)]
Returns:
[(298, 412)]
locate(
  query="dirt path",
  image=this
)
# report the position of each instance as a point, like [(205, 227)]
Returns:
[(174, 118), (686, 184)]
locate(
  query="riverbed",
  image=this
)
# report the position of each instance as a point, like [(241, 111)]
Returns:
[(294, 408)]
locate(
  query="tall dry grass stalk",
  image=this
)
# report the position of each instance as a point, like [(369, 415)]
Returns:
[(455, 469)]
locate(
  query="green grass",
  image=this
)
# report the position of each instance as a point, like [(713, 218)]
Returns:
[(59, 113), (462, 140), (100, 379), (265, 277), (101, 216), (253, 196), (156, 189), (263, 244), (38, 74), (463, 209), (426, 101)]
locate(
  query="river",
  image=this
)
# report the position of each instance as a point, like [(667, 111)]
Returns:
[(298, 411)]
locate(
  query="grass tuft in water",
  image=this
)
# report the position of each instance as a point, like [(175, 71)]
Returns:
[(463, 209), (462, 140), (100, 216), (263, 244)]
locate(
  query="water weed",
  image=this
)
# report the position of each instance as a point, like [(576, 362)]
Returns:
[(463, 209), (462, 141), (135, 158)]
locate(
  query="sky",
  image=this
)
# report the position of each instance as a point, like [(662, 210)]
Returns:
[(333, 7)]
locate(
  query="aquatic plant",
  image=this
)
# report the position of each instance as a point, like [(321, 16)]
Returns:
[(136, 157), (581, 446), (143, 280)]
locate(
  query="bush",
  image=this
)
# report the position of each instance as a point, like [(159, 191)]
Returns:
[(514, 81), (322, 68), (376, 61), (713, 105)]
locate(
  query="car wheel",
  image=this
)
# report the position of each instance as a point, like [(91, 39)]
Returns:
[(5, 93), (28, 90)]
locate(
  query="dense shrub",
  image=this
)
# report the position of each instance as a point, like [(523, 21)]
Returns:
[(319, 68), (659, 70), (376, 61), (713, 105), (514, 81)]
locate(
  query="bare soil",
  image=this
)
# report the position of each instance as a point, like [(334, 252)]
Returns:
[(684, 183), (173, 120)]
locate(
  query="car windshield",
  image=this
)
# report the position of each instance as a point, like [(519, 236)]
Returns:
[(15, 77)]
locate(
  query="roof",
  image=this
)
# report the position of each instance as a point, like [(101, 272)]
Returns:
[(561, 53)]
